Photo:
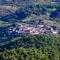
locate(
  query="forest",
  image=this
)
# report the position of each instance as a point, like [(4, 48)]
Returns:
[(38, 47)]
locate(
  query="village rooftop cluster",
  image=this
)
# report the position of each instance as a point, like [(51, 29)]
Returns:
[(22, 28)]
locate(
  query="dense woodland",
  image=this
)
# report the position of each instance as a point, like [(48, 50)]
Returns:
[(38, 47)]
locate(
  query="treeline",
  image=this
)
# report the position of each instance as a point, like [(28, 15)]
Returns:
[(38, 47), (46, 53), (37, 41)]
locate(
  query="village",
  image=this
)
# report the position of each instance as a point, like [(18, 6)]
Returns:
[(33, 29)]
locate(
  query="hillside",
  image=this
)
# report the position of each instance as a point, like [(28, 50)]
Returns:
[(37, 47), (29, 30)]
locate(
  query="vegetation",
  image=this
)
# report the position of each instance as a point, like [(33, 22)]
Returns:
[(38, 47), (36, 41), (4, 24), (46, 53)]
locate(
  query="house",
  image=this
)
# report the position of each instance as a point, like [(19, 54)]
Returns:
[(40, 26), (55, 32), (34, 31)]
